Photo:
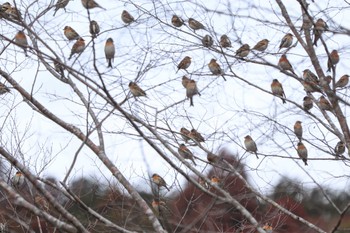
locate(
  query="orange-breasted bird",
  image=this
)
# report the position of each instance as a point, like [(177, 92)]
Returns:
[(225, 41), (339, 148), (333, 59), (78, 47), (158, 180), (94, 28), (261, 45), (243, 51), (324, 104), (61, 4), (135, 90), (18, 179), (70, 33), (277, 90), (185, 81), (194, 134), (215, 68), (90, 4), (342, 82), (302, 152), (298, 130), (109, 51), (21, 41), (177, 21), (319, 28), (192, 90), (286, 41), (215, 180), (184, 64), (186, 153), (207, 41), (268, 228), (127, 18), (195, 25), (309, 76), (185, 134), (250, 145), (284, 64), (307, 103)]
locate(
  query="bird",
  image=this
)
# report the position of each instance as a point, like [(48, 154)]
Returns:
[(277, 90), (194, 134), (298, 130), (78, 47), (207, 41), (159, 206), (342, 82), (5, 6), (286, 41), (324, 104), (90, 4), (184, 64), (307, 103), (61, 4), (195, 25), (135, 90), (186, 153), (302, 152), (3, 89), (21, 41), (70, 33), (225, 41), (127, 17), (13, 13), (212, 158), (215, 68), (158, 180), (261, 45), (215, 180), (250, 145), (319, 28), (177, 21), (333, 59), (191, 90), (185, 81), (243, 51), (285, 65), (18, 179), (339, 148), (268, 228), (311, 87), (185, 134), (94, 28), (309, 76), (58, 68), (109, 51)]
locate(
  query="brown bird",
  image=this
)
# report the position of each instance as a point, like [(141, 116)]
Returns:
[(250, 145), (14, 13), (61, 4), (195, 25), (298, 130), (333, 59), (158, 180), (342, 82), (339, 149), (284, 64), (94, 28), (177, 21), (311, 87), (309, 76), (277, 90), (185, 134), (4, 89), (320, 27), (215, 181), (261, 45), (225, 41), (78, 47), (160, 206), (109, 51), (268, 228), (194, 134), (70, 33), (324, 104), (192, 90), (243, 51), (286, 41), (135, 90), (185, 81), (18, 179), (21, 41), (184, 64), (212, 158), (215, 68), (90, 4), (302, 152), (186, 153), (127, 18), (59, 68), (5, 6), (307, 103), (207, 41)]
